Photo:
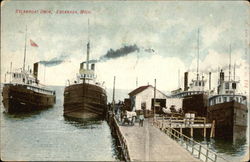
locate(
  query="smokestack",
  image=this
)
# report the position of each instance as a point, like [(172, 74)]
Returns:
[(209, 80), (221, 76), (185, 81), (35, 69), (92, 66)]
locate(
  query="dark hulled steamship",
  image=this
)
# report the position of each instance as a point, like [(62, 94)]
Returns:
[(229, 109), (194, 96), (86, 98), (24, 93)]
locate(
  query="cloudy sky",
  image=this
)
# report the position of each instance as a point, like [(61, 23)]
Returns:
[(170, 28)]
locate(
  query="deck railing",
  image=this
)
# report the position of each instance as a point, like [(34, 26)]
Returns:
[(196, 149)]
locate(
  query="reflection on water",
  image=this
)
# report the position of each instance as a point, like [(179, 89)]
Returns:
[(83, 124), (47, 135), (232, 150)]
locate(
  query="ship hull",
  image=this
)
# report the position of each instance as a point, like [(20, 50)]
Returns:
[(195, 103), (18, 99), (230, 119), (85, 101)]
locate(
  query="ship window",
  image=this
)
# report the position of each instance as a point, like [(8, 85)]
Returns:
[(237, 99), (196, 84), (219, 99), (240, 99), (224, 99), (231, 98), (199, 83), (226, 85), (14, 75), (202, 83)]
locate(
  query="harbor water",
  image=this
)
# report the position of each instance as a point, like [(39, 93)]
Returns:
[(47, 135)]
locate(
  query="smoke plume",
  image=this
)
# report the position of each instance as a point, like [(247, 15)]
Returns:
[(55, 61), (123, 51)]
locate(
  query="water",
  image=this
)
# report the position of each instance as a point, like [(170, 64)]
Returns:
[(47, 135), (229, 150)]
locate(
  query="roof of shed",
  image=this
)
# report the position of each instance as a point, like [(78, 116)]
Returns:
[(138, 90)]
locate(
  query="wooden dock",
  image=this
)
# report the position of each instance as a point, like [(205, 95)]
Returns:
[(148, 143), (183, 123)]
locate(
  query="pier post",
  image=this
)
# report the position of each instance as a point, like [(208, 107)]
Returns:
[(205, 130), (212, 130), (191, 131), (199, 154)]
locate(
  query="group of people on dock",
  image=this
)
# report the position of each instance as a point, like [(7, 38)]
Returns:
[(128, 117)]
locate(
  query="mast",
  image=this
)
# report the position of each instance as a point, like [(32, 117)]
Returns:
[(88, 48), (113, 98), (229, 61), (179, 86), (25, 49), (198, 55), (234, 71)]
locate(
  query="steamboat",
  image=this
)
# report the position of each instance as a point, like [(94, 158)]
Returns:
[(24, 93), (194, 96), (229, 109), (85, 98)]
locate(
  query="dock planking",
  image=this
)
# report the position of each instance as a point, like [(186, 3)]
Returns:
[(148, 143)]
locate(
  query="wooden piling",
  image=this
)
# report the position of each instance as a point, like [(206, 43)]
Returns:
[(191, 132), (212, 130), (205, 130)]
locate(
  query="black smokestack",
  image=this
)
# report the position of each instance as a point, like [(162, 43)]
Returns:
[(35, 69), (123, 51), (55, 61), (221, 75), (185, 81)]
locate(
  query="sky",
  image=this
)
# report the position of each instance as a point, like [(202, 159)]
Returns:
[(165, 32)]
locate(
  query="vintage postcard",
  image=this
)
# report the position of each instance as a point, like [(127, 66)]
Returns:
[(125, 80)]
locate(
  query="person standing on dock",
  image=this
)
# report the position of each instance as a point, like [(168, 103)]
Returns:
[(141, 119)]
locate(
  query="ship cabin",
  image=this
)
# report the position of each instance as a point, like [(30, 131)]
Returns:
[(23, 78), (197, 86), (28, 80), (86, 73), (227, 92)]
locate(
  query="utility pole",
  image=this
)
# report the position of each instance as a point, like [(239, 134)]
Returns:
[(154, 99), (113, 102), (198, 53)]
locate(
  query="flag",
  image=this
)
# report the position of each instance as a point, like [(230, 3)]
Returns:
[(33, 44)]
